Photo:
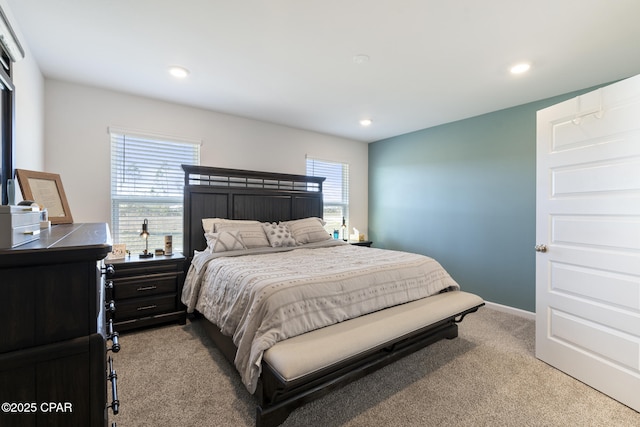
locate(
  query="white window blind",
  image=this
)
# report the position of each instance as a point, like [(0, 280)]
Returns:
[(335, 191), (147, 181)]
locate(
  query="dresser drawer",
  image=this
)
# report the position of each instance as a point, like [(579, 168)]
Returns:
[(153, 284), (143, 307)]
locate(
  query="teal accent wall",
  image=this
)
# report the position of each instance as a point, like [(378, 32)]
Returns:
[(464, 194)]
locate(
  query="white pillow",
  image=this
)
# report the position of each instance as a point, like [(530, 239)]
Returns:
[(252, 234), (279, 235), (308, 230), (225, 241), (209, 224)]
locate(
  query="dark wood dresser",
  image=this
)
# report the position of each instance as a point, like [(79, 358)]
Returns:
[(56, 334)]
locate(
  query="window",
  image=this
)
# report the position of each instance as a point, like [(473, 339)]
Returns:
[(335, 190), (6, 125), (147, 182), (10, 52)]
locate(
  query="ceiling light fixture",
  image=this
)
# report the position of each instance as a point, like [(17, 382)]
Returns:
[(178, 72), (361, 59), (365, 122), (520, 68)]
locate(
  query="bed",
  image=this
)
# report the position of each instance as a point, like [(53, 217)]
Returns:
[(298, 313)]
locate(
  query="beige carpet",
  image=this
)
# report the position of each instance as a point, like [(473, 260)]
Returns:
[(488, 376)]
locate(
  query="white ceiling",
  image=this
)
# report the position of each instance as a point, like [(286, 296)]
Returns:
[(291, 62)]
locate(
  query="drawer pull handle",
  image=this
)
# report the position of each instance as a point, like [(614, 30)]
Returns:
[(146, 288), (146, 307), (109, 270), (113, 377), (108, 288), (110, 306), (113, 336)]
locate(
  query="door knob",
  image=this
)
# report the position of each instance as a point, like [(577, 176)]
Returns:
[(541, 248)]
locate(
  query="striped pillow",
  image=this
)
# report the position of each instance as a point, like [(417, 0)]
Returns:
[(252, 234), (225, 241)]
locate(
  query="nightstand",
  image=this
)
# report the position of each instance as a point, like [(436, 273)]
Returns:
[(146, 291), (366, 243)]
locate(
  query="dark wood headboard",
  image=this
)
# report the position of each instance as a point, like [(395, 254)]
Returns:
[(240, 194)]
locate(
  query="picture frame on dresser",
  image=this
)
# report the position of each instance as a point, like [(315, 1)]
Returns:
[(119, 251), (47, 191)]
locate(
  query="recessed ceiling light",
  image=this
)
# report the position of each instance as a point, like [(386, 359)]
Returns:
[(361, 59), (178, 72), (520, 68), (365, 122)]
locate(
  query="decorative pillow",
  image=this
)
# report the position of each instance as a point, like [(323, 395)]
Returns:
[(308, 230), (252, 234), (225, 241), (209, 224), (278, 234)]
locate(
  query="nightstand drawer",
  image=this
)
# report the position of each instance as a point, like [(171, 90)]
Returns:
[(143, 307), (153, 284)]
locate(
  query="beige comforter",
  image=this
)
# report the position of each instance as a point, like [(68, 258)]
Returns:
[(260, 299)]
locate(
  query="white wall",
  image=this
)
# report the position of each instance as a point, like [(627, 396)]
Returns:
[(77, 147), (29, 105)]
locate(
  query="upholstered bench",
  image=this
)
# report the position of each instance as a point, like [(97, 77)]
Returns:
[(319, 350)]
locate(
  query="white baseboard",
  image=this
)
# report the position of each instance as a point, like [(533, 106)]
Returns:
[(511, 310)]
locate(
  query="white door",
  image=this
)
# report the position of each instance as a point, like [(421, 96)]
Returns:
[(588, 239)]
